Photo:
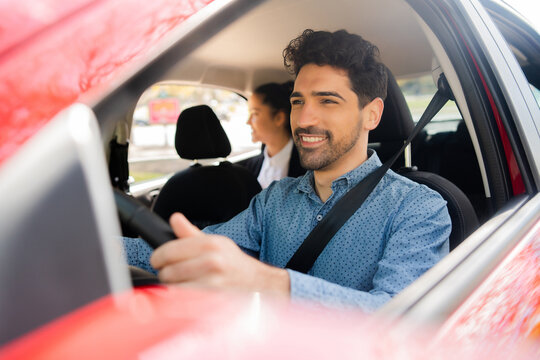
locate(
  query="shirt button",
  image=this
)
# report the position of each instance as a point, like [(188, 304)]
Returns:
[(319, 217)]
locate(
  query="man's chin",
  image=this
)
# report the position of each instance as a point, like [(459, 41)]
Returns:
[(311, 160), (315, 166)]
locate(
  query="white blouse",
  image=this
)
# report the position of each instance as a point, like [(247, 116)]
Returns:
[(275, 167)]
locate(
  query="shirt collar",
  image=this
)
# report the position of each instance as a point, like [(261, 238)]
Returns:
[(281, 157), (349, 179)]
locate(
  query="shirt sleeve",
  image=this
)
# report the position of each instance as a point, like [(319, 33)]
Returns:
[(420, 232), (417, 239), (246, 228), (137, 253), (309, 288)]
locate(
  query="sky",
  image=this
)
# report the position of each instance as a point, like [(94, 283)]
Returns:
[(530, 9)]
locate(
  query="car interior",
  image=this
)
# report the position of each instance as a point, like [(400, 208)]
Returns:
[(246, 54)]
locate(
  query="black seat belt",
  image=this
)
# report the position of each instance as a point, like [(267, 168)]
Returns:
[(306, 255)]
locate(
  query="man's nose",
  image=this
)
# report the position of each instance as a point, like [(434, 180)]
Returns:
[(306, 116)]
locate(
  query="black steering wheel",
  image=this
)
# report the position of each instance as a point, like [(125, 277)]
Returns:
[(152, 229)]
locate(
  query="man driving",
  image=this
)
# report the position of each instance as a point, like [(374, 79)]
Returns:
[(399, 232)]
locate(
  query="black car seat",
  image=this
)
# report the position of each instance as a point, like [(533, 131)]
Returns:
[(205, 194), (451, 155), (395, 126)]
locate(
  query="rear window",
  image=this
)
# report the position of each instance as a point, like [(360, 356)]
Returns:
[(151, 151), (418, 92)]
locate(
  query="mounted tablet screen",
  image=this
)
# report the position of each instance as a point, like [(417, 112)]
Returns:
[(59, 244)]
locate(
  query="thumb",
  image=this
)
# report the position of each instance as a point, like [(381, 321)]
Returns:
[(182, 227)]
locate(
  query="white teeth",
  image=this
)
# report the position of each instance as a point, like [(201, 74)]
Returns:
[(312, 139)]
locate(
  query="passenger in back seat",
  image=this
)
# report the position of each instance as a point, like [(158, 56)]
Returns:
[(269, 118)]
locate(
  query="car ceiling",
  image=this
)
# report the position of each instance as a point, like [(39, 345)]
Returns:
[(249, 51)]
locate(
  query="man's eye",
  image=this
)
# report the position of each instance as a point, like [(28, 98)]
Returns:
[(328, 101), (296, 102)]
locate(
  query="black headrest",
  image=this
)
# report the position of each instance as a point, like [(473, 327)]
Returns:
[(199, 134), (396, 121)]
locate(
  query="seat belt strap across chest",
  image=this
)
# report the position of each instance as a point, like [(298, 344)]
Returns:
[(308, 252)]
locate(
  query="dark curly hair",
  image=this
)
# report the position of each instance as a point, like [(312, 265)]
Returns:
[(341, 50)]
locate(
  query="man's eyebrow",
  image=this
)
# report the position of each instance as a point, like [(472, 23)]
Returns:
[(319, 93), (327, 93), (296, 94)]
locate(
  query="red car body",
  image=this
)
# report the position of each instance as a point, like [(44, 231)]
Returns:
[(53, 55), (56, 53)]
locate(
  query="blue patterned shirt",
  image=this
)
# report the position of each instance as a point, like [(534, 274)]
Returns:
[(400, 232)]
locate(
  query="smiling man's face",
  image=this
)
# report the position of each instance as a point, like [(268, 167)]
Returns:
[(326, 119)]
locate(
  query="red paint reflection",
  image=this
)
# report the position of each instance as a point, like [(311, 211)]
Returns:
[(74, 49)]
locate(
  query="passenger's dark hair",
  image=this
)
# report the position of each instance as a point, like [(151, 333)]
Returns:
[(277, 97), (341, 50)]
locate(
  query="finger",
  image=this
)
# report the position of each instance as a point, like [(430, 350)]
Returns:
[(175, 251), (193, 270), (183, 249), (182, 227)]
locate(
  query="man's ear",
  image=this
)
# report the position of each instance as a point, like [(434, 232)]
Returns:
[(372, 113)]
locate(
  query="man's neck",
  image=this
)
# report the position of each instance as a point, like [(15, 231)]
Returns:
[(324, 177)]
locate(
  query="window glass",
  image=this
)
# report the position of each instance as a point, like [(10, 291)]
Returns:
[(418, 92), (151, 151)]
